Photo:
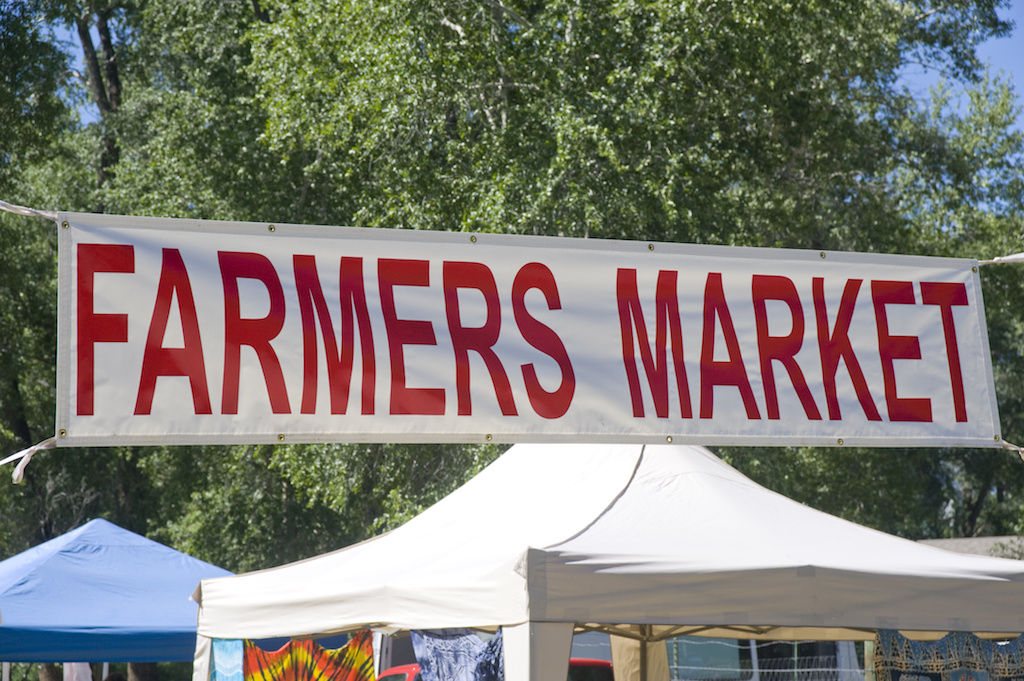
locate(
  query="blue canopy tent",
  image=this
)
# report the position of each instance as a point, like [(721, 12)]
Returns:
[(100, 594)]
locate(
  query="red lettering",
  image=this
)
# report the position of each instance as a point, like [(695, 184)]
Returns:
[(402, 332), (836, 346), (892, 348), (185, 361), (95, 327), (631, 317), (254, 332), (946, 295), (782, 349), (481, 340), (727, 372), (549, 405), (339, 363)]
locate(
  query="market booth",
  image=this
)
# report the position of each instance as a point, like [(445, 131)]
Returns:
[(643, 542), (99, 593)]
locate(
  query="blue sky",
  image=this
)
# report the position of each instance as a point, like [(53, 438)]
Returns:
[(1008, 53), (1005, 54)]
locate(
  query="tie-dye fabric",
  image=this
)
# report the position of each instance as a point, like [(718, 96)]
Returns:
[(306, 661)]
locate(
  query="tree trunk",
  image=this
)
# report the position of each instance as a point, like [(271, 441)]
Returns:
[(113, 80), (49, 672), (92, 65), (104, 83), (142, 671)]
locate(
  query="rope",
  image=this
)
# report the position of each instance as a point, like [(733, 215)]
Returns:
[(25, 455), (1010, 259), (1013, 448), (28, 212)]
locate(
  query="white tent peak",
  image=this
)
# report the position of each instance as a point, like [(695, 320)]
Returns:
[(666, 537)]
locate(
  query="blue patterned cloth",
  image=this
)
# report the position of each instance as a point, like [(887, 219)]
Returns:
[(957, 656), (490, 665), (458, 655), (227, 659)]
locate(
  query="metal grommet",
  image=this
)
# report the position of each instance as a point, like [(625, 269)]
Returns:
[(668, 439), (840, 442), (650, 247), (974, 269), (271, 228), (488, 437), (280, 437), (63, 432), (65, 225), (472, 238), (997, 438), (822, 254)]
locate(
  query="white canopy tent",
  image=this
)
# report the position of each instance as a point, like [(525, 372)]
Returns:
[(646, 542)]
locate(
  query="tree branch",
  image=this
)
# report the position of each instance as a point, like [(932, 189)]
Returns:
[(261, 13), (109, 60), (511, 85), (516, 17), (453, 26), (974, 510), (92, 65)]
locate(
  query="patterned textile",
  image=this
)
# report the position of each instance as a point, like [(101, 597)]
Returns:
[(458, 655), (955, 657), (491, 665), (307, 661), (227, 659)]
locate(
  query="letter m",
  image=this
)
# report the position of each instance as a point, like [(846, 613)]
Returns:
[(634, 328), (339, 360)]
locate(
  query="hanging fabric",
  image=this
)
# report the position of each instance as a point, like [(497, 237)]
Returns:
[(491, 663), (227, 659), (958, 656), (458, 655), (306, 660)]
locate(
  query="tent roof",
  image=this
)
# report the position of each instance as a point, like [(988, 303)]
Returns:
[(668, 537), (99, 593)]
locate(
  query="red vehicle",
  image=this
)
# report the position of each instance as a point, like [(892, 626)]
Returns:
[(587, 669), (580, 669), (403, 672)]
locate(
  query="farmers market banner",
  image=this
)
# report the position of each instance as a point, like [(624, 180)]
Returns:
[(187, 331)]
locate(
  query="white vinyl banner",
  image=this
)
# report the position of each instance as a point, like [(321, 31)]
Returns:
[(187, 331)]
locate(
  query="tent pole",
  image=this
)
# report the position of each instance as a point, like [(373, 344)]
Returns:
[(869, 661), (643, 652)]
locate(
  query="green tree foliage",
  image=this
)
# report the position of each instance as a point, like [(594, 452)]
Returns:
[(776, 124), (190, 131), (255, 507), (743, 122), (30, 99)]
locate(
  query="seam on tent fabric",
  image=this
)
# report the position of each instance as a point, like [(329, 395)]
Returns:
[(615, 500)]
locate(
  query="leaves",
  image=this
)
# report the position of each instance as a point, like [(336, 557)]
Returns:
[(743, 122)]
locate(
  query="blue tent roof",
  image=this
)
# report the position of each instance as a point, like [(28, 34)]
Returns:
[(99, 594)]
